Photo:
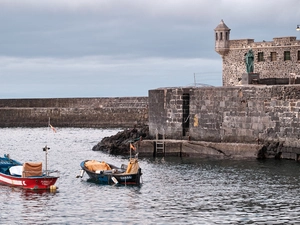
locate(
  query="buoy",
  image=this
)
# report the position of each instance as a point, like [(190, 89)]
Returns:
[(53, 188), (114, 180), (81, 174)]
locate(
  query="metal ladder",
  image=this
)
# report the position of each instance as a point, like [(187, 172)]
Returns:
[(160, 144)]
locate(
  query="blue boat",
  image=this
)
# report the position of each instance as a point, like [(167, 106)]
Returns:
[(106, 173)]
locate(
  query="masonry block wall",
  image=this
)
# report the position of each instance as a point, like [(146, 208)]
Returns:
[(165, 113), (267, 67), (272, 59), (75, 112), (245, 114)]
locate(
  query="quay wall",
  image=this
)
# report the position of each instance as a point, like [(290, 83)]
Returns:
[(75, 112), (239, 114)]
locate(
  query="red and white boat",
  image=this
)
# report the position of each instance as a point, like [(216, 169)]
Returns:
[(28, 175)]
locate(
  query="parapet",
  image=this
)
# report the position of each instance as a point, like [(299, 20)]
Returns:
[(240, 43)]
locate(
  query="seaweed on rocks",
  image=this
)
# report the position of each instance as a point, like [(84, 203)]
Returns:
[(119, 143)]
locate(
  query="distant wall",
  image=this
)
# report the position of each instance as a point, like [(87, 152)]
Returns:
[(74, 112)]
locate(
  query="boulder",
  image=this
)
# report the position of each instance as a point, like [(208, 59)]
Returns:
[(119, 143)]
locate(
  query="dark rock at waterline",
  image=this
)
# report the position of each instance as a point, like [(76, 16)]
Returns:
[(119, 143)]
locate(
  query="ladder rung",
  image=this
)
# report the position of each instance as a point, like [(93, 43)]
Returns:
[(160, 145)]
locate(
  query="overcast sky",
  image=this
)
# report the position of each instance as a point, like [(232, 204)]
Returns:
[(117, 48)]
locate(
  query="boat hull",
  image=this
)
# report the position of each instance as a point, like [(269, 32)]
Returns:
[(110, 177), (126, 179), (33, 183)]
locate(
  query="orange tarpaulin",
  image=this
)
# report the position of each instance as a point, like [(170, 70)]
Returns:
[(32, 169), (94, 165), (133, 166)]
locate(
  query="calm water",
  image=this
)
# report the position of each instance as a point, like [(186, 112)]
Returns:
[(174, 190)]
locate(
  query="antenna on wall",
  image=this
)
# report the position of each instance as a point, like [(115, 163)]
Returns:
[(200, 84)]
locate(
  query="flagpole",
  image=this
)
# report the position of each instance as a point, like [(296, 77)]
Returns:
[(130, 150)]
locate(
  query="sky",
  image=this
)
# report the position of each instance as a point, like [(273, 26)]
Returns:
[(124, 48)]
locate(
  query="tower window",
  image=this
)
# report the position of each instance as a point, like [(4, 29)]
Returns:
[(216, 36), (287, 55), (226, 36), (273, 56), (221, 36), (260, 57)]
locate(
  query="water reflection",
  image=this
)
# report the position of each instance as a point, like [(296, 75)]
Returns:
[(35, 194)]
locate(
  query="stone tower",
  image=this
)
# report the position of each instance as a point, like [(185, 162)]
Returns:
[(222, 33)]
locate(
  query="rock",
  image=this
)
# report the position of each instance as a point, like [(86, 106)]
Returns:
[(119, 144)]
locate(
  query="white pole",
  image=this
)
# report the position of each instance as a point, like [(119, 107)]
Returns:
[(46, 160), (130, 150)]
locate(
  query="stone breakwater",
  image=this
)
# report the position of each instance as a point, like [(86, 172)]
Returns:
[(244, 121), (124, 112)]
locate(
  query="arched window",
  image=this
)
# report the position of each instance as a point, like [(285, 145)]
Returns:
[(221, 36), (216, 36), (226, 37)]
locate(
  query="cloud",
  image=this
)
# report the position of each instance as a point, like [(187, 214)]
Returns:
[(85, 48), (154, 28)]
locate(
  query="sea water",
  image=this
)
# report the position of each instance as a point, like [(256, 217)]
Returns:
[(174, 190)]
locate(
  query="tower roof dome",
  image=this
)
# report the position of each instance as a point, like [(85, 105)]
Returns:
[(222, 26)]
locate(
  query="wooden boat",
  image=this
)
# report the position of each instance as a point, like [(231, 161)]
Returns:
[(106, 173), (28, 175)]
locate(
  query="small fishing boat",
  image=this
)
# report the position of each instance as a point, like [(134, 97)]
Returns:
[(28, 175), (106, 173)]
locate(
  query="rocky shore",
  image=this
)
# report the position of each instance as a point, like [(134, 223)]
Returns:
[(119, 144)]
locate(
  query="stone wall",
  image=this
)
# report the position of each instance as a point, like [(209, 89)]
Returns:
[(74, 112), (246, 114), (166, 112), (234, 64)]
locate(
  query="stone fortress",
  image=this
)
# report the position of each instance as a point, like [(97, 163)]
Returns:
[(238, 119), (279, 58)]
